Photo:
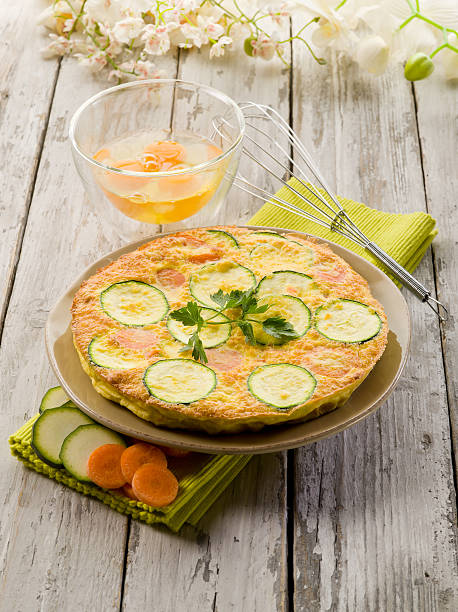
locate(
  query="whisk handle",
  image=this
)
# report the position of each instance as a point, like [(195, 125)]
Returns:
[(408, 280)]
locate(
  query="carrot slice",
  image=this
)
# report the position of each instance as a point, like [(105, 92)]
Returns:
[(166, 150), (104, 466), (138, 454), (169, 277), (212, 255), (170, 451), (102, 154), (127, 491), (154, 486)]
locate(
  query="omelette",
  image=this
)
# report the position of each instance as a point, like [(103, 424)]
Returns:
[(139, 354)]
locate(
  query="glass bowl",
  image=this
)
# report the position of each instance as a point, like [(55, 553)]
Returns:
[(123, 117)]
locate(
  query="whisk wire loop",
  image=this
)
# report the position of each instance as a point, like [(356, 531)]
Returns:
[(293, 161)]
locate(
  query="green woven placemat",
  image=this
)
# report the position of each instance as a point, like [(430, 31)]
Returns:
[(198, 489)]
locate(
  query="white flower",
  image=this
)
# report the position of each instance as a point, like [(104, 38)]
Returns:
[(448, 59), (372, 54), (127, 29), (146, 69), (95, 62), (264, 48), (193, 36), (59, 45), (156, 38), (111, 11), (218, 48)]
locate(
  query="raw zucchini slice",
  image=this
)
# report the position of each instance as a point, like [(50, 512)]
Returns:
[(211, 336), (79, 444), (269, 234), (50, 430), (134, 303), (288, 282), (264, 251), (290, 308), (347, 321), (224, 275), (281, 385), (179, 381), (222, 239), (53, 398), (103, 352)]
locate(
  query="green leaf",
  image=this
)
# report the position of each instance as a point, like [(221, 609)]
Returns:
[(195, 345), (279, 328), (247, 330), (189, 315)]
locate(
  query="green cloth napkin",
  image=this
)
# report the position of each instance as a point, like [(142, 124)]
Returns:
[(198, 489), (403, 236)]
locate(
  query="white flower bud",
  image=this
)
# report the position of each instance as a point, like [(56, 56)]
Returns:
[(372, 54)]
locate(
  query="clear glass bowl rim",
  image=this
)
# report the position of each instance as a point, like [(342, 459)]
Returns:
[(194, 169)]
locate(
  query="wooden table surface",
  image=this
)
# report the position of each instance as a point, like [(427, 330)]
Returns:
[(365, 520)]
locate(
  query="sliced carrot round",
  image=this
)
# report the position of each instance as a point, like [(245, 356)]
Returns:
[(127, 491), (154, 486), (169, 277), (104, 466), (136, 455), (166, 150)]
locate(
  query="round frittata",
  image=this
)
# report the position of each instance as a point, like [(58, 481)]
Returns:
[(271, 328)]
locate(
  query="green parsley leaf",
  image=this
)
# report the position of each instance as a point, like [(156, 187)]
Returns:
[(247, 330), (279, 328), (189, 315), (195, 345)]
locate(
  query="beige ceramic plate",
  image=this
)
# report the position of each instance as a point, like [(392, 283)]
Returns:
[(373, 391)]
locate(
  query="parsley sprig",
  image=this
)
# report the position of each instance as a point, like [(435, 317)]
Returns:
[(246, 301)]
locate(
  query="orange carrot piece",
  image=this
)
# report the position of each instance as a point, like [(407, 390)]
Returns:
[(135, 456), (104, 466), (154, 486), (101, 155), (166, 150), (127, 491), (170, 451)]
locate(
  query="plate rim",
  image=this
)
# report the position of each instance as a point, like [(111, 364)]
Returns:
[(267, 447)]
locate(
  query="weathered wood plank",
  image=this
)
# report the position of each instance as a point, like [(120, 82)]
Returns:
[(375, 505), (237, 558), (67, 550), (438, 129), (27, 87)]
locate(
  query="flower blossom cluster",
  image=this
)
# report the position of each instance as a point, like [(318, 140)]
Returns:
[(124, 37)]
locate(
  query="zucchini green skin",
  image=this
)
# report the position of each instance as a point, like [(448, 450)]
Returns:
[(145, 382), (324, 306), (108, 289), (108, 437), (229, 238), (302, 274), (274, 365), (267, 233), (41, 422), (48, 400), (192, 283), (170, 322), (309, 323)]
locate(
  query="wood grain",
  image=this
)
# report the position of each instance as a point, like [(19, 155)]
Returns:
[(26, 92), (375, 506), (241, 542), (67, 549), (438, 130)]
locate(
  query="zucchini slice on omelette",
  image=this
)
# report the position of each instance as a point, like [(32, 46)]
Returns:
[(139, 354)]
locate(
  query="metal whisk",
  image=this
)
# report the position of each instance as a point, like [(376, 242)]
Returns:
[(328, 212)]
